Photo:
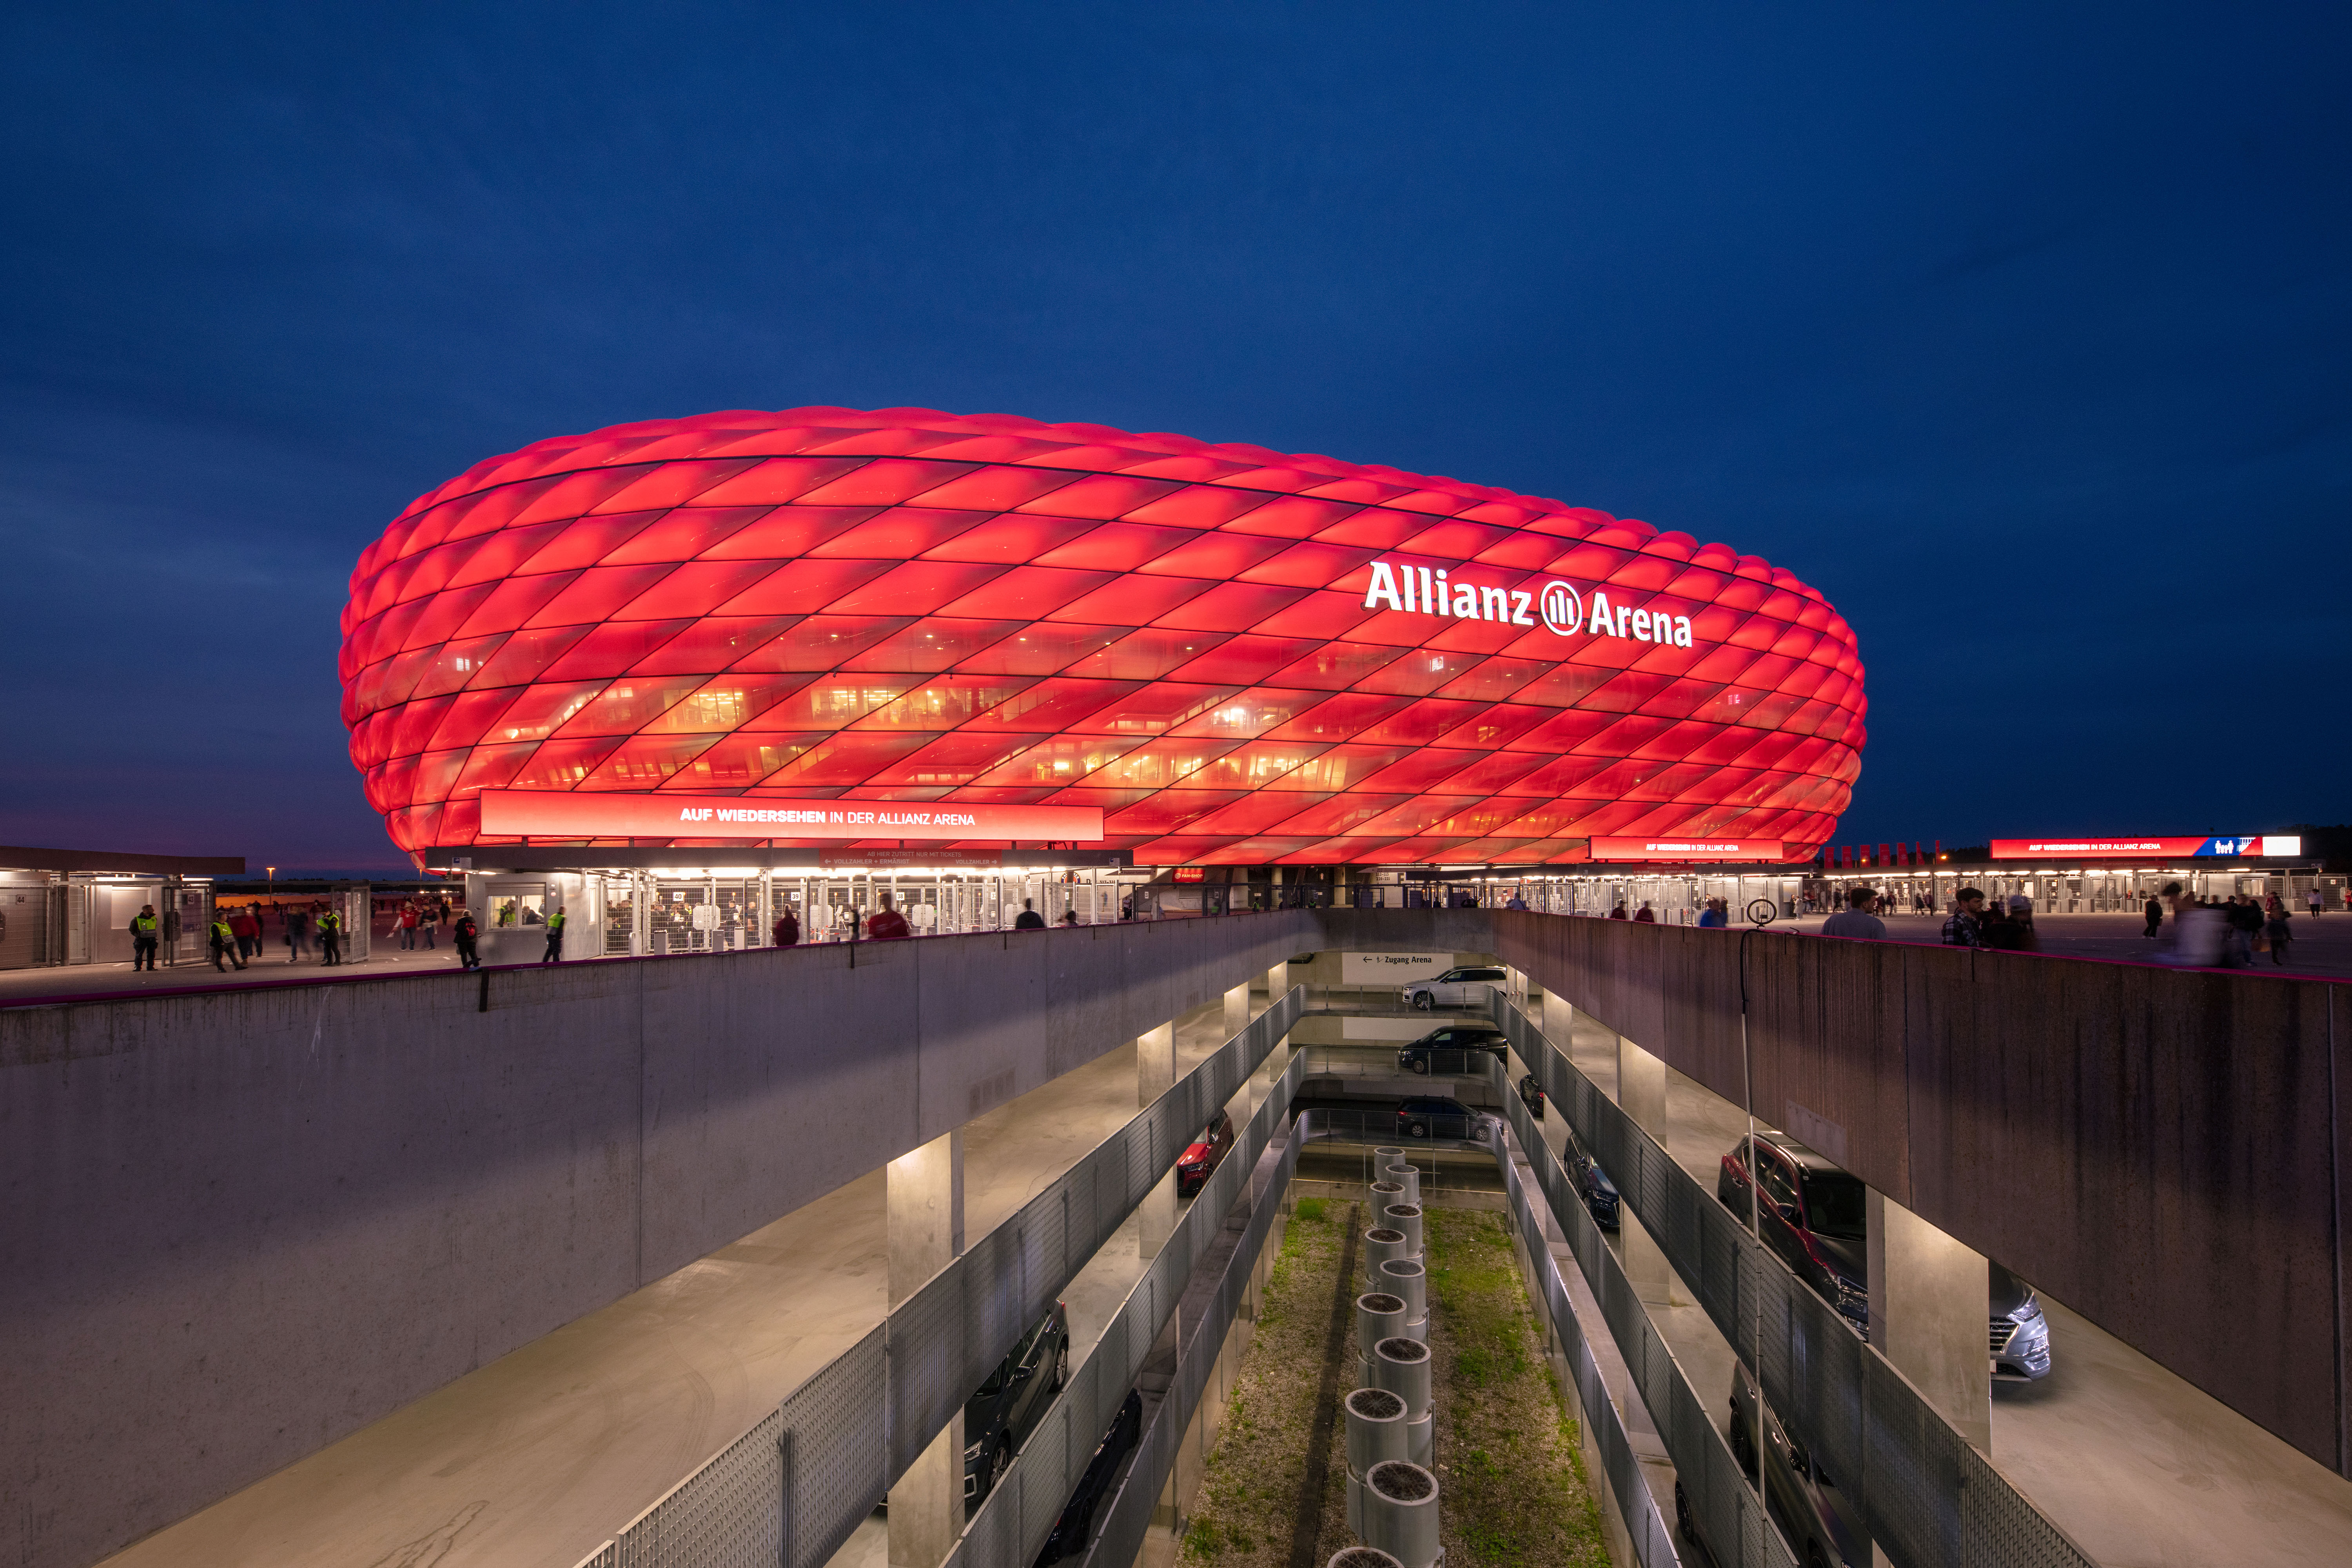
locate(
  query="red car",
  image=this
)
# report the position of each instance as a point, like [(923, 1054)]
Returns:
[(1203, 1155)]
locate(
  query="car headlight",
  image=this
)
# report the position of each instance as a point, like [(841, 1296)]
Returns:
[(972, 1453), (2028, 1313)]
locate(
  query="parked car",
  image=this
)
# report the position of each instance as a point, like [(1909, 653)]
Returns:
[(1203, 1155), (998, 1417), (1068, 1536), (1811, 1214), (1531, 1095), (1814, 1215), (1447, 1049), (1437, 1116), (2021, 1334), (1822, 1524), (1593, 1183), (1467, 987)]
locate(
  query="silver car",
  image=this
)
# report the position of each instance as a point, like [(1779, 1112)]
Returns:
[(1462, 988)]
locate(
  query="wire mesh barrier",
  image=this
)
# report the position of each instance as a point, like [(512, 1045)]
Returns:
[(1729, 1515), (1921, 1491), (792, 1488), (1635, 1505), (1010, 1527)]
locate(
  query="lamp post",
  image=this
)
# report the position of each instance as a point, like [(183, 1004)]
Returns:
[(272, 884)]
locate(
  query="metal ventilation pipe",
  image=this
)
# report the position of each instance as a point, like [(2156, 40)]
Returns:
[(1378, 1316), (1385, 1193), (1404, 1276), (1400, 1365), (1381, 1243), (1385, 1155), (1405, 1218), (1376, 1433), (1363, 1557), (1404, 1176), (1400, 1513)]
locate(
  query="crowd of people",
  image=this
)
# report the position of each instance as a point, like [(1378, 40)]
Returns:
[(2227, 933)]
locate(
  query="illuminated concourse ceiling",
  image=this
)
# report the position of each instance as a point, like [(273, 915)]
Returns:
[(1241, 657)]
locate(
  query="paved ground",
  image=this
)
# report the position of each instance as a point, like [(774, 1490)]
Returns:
[(533, 1460), (2321, 948), (2140, 1469)]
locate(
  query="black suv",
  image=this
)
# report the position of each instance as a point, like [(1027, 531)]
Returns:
[(1454, 1048), (998, 1419), (1593, 1183), (1069, 1534)]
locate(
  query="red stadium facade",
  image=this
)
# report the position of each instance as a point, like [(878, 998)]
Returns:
[(1203, 654)]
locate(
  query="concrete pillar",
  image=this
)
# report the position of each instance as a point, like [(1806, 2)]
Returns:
[(1155, 1075), (1559, 1021), (1237, 1012), (1642, 1095), (1928, 1315), (925, 1232), (1277, 981)]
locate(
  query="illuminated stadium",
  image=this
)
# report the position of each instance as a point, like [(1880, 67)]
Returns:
[(828, 628)]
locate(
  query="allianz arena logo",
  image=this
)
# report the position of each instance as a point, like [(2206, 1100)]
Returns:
[(1427, 591)]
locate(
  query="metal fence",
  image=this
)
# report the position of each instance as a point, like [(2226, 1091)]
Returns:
[(791, 1490), (1519, 1162), (988, 1541), (1924, 1494)]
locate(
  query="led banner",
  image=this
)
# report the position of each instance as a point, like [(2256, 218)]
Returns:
[(565, 813), (2132, 848), (1746, 850)]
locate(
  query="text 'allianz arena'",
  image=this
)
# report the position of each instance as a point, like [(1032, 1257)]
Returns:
[(1239, 656)]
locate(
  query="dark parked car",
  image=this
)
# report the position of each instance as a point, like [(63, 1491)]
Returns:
[(1531, 1095), (1811, 1214), (1435, 1116), (1450, 1049), (1593, 1183), (1819, 1522), (1815, 1216), (1203, 1155), (998, 1419), (1070, 1531)]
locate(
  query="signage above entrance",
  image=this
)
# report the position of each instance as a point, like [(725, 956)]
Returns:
[(2273, 844), (560, 814), (1746, 851)]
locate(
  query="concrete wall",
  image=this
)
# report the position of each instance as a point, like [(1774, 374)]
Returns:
[(2164, 1152), (235, 1227)]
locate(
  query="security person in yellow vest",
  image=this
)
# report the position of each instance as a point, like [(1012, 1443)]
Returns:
[(330, 937), (224, 945), (144, 927), (555, 953)]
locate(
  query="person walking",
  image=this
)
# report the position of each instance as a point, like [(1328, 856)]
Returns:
[(248, 931), (408, 926), (1618, 913), (1715, 916), (330, 937), (224, 945), (787, 928), (297, 933), (465, 933), (1858, 920), (1029, 919), (2276, 931), (1645, 914), (428, 922), (2318, 903), (2155, 914), (886, 924), (555, 953), (143, 928)]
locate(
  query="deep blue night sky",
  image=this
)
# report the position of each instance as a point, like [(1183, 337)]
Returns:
[(2025, 337)]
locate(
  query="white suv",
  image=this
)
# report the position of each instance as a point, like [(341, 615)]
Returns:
[(1454, 988)]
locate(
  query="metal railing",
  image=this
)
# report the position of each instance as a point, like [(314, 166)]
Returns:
[(791, 1490), (1922, 1492), (1644, 1525)]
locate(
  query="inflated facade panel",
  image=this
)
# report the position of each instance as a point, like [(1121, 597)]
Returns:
[(1243, 656)]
